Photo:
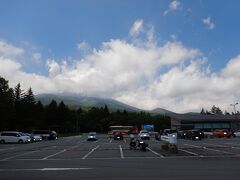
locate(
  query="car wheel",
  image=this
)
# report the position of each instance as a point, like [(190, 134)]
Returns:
[(2, 142), (20, 141)]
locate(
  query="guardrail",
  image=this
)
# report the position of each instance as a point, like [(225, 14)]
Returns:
[(170, 142)]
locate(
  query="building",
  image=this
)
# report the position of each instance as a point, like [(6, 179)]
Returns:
[(205, 122)]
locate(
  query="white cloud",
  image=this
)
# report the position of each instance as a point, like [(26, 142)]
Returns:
[(8, 50), (209, 23), (54, 68), (170, 76), (136, 28), (84, 47), (173, 6), (37, 57)]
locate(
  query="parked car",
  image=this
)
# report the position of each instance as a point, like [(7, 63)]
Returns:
[(223, 133), (34, 138), (46, 134), (92, 136), (14, 137), (168, 131), (182, 134), (237, 133), (144, 135), (194, 135), (118, 136)]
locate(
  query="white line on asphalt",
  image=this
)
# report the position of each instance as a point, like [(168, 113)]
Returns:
[(154, 152), (110, 140), (84, 157), (192, 145), (7, 149), (54, 154), (47, 169), (235, 147), (121, 152), (216, 150), (211, 149), (189, 152), (5, 159), (233, 144), (216, 145), (62, 151)]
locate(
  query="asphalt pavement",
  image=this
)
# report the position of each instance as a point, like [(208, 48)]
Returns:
[(76, 158)]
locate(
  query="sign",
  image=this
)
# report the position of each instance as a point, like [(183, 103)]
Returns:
[(148, 127)]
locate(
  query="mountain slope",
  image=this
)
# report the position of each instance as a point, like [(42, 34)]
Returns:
[(85, 102)]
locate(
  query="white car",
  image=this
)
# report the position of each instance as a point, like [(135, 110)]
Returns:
[(237, 133), (144, 135), (92, 136), (14, 137)]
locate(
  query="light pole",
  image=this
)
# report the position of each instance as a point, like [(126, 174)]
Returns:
[(234, 106)]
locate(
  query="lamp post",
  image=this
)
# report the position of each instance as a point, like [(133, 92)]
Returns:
[(234, 106)]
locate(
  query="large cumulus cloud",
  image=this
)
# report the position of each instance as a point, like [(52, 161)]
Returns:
[(168, 75)]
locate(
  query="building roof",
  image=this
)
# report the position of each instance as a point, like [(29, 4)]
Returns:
[(204, 118)]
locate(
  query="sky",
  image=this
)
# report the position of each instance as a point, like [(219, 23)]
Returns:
[(180, 55)]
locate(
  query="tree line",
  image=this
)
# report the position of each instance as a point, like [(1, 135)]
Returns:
[(216, 110), (19, 111)]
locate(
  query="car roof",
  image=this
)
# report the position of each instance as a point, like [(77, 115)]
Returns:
[(10, 132)]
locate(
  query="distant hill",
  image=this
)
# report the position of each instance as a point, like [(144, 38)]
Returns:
[(161, 111), (85, 102)]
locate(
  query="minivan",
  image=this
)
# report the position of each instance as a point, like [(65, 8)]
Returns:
[(13, 137)]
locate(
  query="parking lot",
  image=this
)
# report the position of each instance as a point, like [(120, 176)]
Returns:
[(107, 158)]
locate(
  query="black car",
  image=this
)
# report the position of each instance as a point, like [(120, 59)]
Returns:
[(118, 137), (46, 134), (194, 135), (182, 134)]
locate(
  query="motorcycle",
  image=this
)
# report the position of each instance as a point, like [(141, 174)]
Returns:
[(133, 144), (142, 145)]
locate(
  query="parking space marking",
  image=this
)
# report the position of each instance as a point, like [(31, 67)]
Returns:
[(154, 152), (8, 158), (216, 145), (46, 169), (110, 140), (216, 150), (121, 152), (192, 145), (211, 149), (54, 154), (8, 149), (84, 157), (189, 152), (233, 144), (235, 147)]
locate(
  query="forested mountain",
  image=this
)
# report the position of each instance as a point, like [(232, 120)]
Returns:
[(21, 111), (85, 102)]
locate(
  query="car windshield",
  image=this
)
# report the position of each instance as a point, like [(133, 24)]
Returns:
[(92, 134)]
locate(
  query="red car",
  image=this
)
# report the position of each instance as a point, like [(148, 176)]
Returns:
[(223, 133)]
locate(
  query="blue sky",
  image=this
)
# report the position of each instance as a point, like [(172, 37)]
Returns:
[(52, 30)]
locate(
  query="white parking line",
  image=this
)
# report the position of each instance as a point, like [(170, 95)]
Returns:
[(121, 152), (110, 140), (84, 157), (54, 154), (7, 149), (154, 152), (211, 149), (233, 144), (46, 169), (216, 145), (189, 152), (216, 150), (8, 158), (192, 145)]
